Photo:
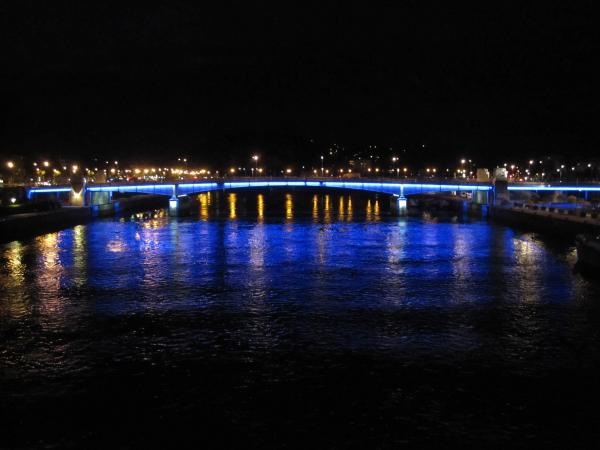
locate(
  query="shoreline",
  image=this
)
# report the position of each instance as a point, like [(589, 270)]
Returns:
[(554, 221), (28, 225)]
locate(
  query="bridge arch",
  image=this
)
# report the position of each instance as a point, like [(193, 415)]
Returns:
[(174, 190)]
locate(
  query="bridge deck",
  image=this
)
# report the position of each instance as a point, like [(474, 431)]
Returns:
[(184, 188), (388, 187)]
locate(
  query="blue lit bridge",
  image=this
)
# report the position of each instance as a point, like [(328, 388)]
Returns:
[(187, 188), (481, 192)]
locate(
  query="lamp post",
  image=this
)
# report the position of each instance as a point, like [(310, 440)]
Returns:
[(322, 171), (12, 170), (255, 168), (559, 174), (462, 167)]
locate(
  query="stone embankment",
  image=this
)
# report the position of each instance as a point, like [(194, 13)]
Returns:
[(557, 220), (21, 226)]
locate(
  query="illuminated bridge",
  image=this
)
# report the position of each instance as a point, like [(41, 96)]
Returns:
[(94, 194), (175, 190)]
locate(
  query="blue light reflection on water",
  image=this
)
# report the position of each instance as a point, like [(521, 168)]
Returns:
[(162, 263)]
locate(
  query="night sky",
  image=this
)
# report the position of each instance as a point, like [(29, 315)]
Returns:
[(103, 78)]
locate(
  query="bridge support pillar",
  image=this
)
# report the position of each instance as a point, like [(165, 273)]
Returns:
[(480, 197), (399, 205), (77, 198), (402, 205), (173, 206), (501, 193), (100, 198)]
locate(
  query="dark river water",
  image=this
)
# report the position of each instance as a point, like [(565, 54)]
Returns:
[(279, 320)]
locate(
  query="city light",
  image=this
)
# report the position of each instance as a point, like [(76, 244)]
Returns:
[(355, 165)]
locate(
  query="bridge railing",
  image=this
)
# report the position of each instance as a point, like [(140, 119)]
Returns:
[(276, 178)]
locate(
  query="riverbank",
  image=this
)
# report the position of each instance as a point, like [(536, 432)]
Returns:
[(22, 226), (556, 221)]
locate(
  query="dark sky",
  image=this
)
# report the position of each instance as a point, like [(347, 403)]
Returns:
[(103, 77)]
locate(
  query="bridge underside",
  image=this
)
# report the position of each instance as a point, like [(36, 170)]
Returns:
[(102, 194), (383, 188)]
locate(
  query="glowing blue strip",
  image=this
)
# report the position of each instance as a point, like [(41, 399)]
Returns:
[(452, 187), (555, 188), (437, 187), (197, 185), (42, 190), (382, 186), (136, 187), (421, 186), (268, 184)]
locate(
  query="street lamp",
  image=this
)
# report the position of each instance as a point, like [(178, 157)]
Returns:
[(321, 165), (10, 164), (255, 158)]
